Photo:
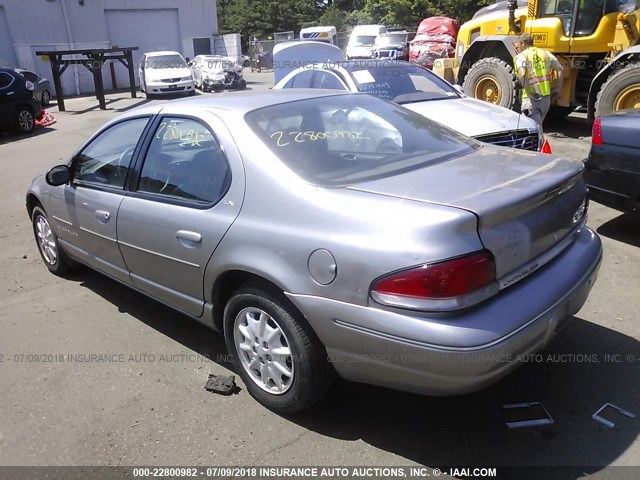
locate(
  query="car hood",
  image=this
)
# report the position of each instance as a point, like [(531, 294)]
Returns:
[(525, 202), (160, 73), (470, 116)]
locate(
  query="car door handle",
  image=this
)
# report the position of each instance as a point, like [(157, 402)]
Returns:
[(189, 237), (103, 216)]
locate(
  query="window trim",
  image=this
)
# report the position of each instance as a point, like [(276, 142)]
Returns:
[(108, 188), (134, 180)]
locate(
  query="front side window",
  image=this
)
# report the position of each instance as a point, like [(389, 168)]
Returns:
[(346, 139), (107, 159), (185, 162)]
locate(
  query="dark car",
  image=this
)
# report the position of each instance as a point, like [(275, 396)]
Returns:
[(392, 45), (42, 87), (18, 105), (612, 169)]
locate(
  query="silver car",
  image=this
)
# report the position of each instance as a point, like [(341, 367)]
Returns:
[(328, 233), (422, 91)]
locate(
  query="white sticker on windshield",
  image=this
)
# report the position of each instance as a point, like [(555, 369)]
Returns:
[(363, 76)]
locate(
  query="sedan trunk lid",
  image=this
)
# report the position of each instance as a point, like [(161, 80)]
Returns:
[(526, 203)]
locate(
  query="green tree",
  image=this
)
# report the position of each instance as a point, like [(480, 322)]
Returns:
[(336, 17)]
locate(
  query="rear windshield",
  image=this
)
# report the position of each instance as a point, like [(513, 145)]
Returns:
[(400, 82), (346, 139)]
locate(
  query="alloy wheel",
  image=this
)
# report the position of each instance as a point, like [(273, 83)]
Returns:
[(264, 350)]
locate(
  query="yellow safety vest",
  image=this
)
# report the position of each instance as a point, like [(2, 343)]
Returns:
[(536, 63)]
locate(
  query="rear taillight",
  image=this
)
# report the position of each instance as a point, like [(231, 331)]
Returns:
[(596, 132), (448, 285), (546, 148)]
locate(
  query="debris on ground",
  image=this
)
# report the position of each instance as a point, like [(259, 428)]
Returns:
[(222, 384), (45, 119), (533, 414), (598, 418)]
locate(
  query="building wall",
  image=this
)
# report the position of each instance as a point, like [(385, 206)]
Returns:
[(42, 26)]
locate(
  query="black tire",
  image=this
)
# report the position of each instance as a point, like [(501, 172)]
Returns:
[(500, 72), (61, 264), (312, 373), (24, 120), (46, 97), (246, 63), (618, 81)]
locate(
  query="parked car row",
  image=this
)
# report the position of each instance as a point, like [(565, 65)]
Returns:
[(166, 72)]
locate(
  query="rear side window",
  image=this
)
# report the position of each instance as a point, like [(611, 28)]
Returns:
[(327, 80), (32, 77), (346, 139), (5, 80), (302, 80), (185, 162)]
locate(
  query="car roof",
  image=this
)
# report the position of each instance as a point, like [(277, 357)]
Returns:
[(238, 102)]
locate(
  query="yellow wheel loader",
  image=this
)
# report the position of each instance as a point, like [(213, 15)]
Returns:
[(596, 41)]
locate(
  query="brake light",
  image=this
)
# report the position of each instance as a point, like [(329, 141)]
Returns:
[(596, 132), (29, 86), (546, 148), (448, 285)]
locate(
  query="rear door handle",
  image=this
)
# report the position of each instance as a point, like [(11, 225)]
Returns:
[(103, 216), (186, 237)]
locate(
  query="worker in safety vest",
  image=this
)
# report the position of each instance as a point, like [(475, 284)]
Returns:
[(534, 68)]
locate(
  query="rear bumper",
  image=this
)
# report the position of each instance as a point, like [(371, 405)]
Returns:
[(614, 189), (447, 355)]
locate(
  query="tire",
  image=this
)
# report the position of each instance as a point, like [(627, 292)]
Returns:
[(25, 121), (46, 97), (57, 264), (488, 71), (246, 63), (621, 90), (311, 374)]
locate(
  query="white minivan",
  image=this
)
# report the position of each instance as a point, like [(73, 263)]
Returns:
[(162, 73), (362, 40)]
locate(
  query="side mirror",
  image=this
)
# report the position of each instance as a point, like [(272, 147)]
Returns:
[(58, 175), (190, 64)]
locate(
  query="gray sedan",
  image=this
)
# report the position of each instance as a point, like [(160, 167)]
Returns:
[(328, 233)]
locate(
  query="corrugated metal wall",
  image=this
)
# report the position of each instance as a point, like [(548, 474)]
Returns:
[(40, 25)]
